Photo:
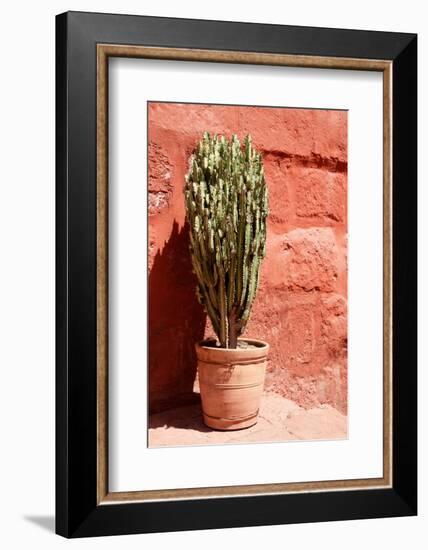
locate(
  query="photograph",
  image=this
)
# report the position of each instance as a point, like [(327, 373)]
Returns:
[(247, 274)]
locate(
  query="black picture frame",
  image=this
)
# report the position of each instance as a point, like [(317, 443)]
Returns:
[(78, 513)]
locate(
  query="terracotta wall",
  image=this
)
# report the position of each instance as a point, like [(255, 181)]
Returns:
[(301, 307)]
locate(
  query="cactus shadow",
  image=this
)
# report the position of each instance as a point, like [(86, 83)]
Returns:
[(176, 322)]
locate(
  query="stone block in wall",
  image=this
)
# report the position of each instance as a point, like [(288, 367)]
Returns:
[(307, 134), (334, 325), (159, 179), (319, 194), (280, 200), (303, 259)]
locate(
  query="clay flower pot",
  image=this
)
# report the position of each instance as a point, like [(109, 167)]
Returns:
[(231, 383)]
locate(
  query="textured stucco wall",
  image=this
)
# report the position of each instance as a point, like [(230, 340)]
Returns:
[(301, 306)]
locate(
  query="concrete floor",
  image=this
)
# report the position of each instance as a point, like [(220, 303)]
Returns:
[(279, 420)]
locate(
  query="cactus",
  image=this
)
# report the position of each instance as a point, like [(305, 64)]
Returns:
[(226, 202)]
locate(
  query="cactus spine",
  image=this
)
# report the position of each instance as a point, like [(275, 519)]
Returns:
[(226, 202)]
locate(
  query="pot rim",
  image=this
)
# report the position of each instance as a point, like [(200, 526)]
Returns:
[(260, 345)]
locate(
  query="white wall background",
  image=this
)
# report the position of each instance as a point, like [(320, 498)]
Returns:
[(27, 273)]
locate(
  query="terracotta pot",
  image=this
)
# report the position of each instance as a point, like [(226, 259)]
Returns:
[(231, 383)]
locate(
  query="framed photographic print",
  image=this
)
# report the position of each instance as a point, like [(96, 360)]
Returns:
[(236, 274)]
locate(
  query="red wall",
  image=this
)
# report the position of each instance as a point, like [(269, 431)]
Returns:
[(301, 306)]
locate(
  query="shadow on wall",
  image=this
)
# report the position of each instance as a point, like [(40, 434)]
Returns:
[(176, 323)]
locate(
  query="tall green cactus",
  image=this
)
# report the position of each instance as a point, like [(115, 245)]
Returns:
[(226, 204)]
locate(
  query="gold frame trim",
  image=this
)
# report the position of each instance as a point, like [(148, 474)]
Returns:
[(104, 51)]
